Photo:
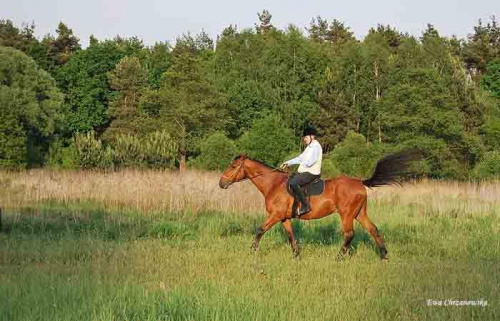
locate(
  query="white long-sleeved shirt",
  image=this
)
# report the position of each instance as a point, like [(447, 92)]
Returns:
[(310, 159)]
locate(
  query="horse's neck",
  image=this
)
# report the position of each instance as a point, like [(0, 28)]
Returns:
[(263, 177)]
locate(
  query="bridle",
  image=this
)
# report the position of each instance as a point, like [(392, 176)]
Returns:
[(236, 171)]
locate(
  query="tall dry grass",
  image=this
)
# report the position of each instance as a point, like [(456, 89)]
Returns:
[(145, 191), (151, 191), (438, 197)]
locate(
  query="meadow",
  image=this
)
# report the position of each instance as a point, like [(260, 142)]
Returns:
[(161, 245)]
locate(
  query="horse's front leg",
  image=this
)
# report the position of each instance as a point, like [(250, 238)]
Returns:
[(268, 223)]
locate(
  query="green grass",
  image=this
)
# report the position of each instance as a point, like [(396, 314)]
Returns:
[(80, 262)]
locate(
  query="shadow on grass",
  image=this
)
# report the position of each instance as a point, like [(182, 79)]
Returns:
[(61, 222), (323, 233), (56, 221)]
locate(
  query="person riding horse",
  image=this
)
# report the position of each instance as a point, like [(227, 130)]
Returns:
[(309, 167)]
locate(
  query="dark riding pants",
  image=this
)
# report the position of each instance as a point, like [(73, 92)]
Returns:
[(298, 180)]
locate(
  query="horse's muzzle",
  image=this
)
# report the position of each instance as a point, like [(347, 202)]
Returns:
[(224, 185)]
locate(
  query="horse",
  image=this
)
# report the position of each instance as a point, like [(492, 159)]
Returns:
[(343, 194)]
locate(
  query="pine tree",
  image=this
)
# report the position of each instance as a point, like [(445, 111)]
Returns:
[(129, 80), (265, 22), (65, 45), (482, 47), (188, 105)]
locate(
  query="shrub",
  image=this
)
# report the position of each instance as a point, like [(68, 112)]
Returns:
[(491, 131), (91, 153), (268, 140), (329, 169), (217, 150), (488, 167), (127, 151), (354, 156), (61, 157), (438, 160), (159, 150)]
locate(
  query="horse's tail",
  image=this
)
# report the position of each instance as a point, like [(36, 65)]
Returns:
[(392, 168)]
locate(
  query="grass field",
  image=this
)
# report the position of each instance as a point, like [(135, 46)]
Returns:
[(136, 245)]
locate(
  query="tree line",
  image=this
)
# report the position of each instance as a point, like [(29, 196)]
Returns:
[(199, 102)]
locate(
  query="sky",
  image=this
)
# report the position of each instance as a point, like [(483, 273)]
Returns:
[(165, 20)]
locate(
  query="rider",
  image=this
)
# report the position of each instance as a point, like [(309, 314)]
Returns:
[(309, 168)]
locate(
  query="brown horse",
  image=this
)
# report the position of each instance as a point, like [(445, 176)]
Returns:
[(345, 195)]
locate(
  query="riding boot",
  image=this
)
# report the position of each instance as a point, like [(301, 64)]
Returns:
[(305, 207)]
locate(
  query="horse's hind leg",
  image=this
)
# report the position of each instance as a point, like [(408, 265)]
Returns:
[(347, 228), (287, 224), (370, 227), (347, 215)]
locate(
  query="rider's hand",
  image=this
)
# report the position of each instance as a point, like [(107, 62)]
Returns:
[(283, 166)]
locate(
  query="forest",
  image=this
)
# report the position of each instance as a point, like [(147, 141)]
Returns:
[(198, 102)]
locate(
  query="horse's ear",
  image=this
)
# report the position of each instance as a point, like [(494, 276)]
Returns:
[(240, 156)]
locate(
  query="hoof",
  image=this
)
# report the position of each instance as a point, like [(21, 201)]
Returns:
[(384, 259)]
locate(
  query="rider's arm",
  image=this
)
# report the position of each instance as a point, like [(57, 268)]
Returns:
[(296, 160)]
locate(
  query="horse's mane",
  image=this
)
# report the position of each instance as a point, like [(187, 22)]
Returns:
[(260, 162)]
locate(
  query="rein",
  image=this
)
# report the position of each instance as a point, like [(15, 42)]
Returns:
[(272, 170)]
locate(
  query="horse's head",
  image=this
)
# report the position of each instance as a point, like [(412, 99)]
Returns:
[(234, 172)]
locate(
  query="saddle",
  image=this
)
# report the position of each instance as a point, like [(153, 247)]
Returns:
[(315, 187)]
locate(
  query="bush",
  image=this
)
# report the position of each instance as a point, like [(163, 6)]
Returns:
[(13, 140), (488, 167), (157, 149), (491, 131), (438, 160), (61, 157), (268, 140), (91, 153), (217, 151), (127, 151), (329, 169), (354, 156)]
